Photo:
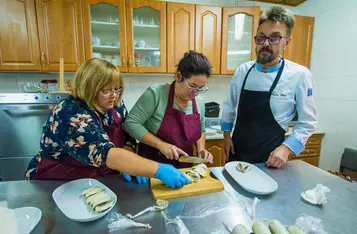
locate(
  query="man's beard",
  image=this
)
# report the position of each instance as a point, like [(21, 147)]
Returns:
[(266, 57)]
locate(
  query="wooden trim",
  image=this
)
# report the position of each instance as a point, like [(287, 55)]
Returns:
[(228, 12), (176, 45), (282, 2), (161, 7), (120, 4)]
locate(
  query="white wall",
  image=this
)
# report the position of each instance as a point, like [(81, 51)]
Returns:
[(332, 65)]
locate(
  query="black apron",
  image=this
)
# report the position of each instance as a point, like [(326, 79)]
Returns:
[(256, 133)]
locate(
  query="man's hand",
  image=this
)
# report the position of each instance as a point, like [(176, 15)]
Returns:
[(228, 144), (279, 157)]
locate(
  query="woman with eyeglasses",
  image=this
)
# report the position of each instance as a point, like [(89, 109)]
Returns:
[(168, 119), (83, 137)]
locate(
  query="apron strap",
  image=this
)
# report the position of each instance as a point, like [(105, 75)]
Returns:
[(170, 102), (277, 78)]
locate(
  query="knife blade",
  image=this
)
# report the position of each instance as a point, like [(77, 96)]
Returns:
[(191, 159)]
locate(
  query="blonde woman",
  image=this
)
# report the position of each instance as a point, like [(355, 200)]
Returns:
[(83, 137)]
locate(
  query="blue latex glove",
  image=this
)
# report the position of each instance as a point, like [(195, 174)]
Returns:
[(139, 179), (171, 176)]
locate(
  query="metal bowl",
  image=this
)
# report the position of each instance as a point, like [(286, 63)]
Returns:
[(30, 87)]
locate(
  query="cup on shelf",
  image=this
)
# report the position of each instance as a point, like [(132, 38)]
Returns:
[(109, 19), (141, 43), (96, 41), (97, 55)]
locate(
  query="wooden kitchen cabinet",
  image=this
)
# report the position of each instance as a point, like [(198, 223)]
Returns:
[(239, 28), (105, 31), (216, 148), (19, 48), (180, 32), (61, 33), (311, 154), (146, 35), (208, 34), (299, 50)]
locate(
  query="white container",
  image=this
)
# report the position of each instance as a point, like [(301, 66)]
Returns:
[(69, 200)]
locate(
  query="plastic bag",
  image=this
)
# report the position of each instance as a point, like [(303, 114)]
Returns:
[(120, 222), (310, 224)]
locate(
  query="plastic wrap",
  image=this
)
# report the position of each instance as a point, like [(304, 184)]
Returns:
[(310, 224), (120, 222), (206, 215)]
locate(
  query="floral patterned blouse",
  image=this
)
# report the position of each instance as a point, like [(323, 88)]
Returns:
[(75, 129)]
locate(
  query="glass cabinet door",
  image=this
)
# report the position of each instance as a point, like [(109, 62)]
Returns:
[(105, 29), (146, 36), (240, 25)]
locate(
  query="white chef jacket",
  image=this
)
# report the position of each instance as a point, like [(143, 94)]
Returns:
[(293, 94)]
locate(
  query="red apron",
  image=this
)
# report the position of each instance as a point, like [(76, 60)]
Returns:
[(177, 129), (72, 169)]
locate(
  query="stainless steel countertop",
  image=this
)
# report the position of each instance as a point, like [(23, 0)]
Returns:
[(338, 215)]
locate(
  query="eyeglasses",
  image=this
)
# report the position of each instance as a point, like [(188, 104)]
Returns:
[(273, 40), (194, 89), (108, 93)]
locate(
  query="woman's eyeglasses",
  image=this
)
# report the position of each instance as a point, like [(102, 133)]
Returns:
[(194, 89), (273, 40), (108, 93)]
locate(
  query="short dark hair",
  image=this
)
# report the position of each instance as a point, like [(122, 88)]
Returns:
[(279, 14), (194, 63)]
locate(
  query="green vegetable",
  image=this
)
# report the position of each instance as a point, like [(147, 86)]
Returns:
[(277, 228), (295, 230), (260, 228), (240, 229)]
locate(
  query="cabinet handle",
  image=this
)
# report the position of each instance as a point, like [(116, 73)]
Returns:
[(123, 61), (43, 59), (130, 61)]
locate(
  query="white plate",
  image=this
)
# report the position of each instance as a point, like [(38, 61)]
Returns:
[(254, 180), (68, 198), (210, 131), (27, 218)]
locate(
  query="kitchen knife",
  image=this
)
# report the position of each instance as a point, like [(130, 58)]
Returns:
[(191, 159)]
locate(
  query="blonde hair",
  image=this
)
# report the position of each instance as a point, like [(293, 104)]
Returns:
[(91, 77)]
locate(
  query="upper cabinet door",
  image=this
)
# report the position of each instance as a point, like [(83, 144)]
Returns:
[(299, 50), (239, 28), (104, 29), (19, 49), (61, 33), (208, 34), (146, 30), (180, 32)]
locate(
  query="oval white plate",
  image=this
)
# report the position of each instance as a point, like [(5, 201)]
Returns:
[(254, 180), (27, 218), (69, 200)]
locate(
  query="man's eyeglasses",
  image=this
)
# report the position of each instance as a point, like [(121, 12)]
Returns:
[(273, 40), (194, 89), (108, 93)]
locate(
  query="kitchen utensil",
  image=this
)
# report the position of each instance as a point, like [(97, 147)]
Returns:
[(254, 180), (203, 186), (27, 219), (69, 200), (30, 87), (191, 159), (61, 78)]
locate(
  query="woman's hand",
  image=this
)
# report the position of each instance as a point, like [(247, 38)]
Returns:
[(206, 155), (139, 179), (170, 151)]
